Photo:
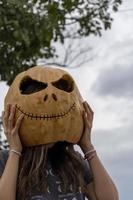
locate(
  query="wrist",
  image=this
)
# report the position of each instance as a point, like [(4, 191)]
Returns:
[(89, 155), (87, 147), (14, 156), (16, 149), (15, 152)]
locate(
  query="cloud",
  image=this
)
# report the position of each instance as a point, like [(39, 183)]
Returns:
[(120, 167), (119, 138), (115, 149), (116, 81), (115, 73)]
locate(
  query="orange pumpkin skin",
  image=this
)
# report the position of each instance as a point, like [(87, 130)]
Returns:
[(51, 113)]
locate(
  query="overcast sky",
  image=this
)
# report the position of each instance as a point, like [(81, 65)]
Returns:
[(107, 84)]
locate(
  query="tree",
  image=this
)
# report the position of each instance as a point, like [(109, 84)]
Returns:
[(73, 53), (29, 28)]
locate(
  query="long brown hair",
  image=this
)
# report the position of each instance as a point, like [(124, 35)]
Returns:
[(65, 161)]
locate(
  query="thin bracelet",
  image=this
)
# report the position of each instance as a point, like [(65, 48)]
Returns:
[(89, 155), (16, 152), (90, 151)]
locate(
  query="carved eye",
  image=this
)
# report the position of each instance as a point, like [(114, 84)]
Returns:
[(29, 86), (65, 83)]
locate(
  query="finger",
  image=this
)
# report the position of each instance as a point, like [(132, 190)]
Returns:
[(3, 123), (7, 110), (87, 122), (6, 115), (11, 118), (88, 110), (89, 107), (84, 118), (18, 123)]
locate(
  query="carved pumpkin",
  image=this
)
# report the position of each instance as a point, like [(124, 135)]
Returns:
[(51, 104)]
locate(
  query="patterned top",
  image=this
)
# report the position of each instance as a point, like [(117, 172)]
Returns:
[(54, 191)]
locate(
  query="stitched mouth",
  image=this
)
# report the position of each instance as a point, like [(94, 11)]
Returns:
[(46, 116)]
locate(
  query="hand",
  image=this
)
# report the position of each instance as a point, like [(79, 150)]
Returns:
[(85, 140), (11, 129)]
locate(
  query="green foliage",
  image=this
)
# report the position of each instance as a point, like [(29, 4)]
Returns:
[(28, 28)]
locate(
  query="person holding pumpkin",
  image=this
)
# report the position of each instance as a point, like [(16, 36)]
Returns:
[(51, 170)]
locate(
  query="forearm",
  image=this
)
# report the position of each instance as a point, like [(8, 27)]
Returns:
[(9, 178), (104, 187)]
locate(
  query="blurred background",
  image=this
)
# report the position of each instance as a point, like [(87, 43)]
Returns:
[(96, 50)]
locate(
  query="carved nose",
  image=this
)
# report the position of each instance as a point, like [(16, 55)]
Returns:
[(45, 98), (54, 96)]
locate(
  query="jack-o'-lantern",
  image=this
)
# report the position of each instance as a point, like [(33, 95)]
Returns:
[(51, 103)]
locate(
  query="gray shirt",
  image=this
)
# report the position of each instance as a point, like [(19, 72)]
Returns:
[(54, 191)]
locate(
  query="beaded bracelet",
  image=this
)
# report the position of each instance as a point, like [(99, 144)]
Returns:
[(16, 152)]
